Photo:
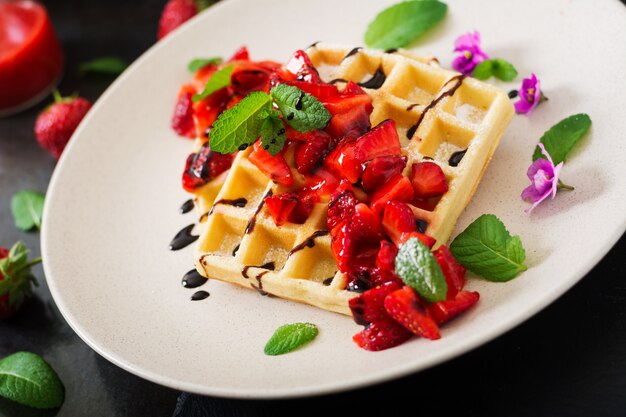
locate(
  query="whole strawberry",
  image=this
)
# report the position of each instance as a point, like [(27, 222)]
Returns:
[(177, 12), (56, 124), (16, 280)]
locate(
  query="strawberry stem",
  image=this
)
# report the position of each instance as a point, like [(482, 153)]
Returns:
[(57, 96), (28, 264)]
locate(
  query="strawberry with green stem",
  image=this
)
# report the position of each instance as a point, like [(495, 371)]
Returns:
[(16, 279)]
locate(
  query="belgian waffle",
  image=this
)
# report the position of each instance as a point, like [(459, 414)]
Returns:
[(440, 115)]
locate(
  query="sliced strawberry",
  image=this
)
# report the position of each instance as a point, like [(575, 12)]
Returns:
[(381, 140), (369, 307), (310, 154), (352, 89), (381, 276), (206, 111), (355, 240), (386, 257), (452, 271), (275, 167), (343, 163), (350, 116), (399, 224), (322, 182), (203, 166), (381, 335), (398, 188), (281, 206), (323, 92), (341, 207), (248, 76), (428, 180), (379, 170), (182, 119), (301, 68), (406, 308), (240, 54), (444, 311), (202, 75)]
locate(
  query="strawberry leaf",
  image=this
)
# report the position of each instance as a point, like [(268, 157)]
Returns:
[(27, 208), (301, 110), (418, 268), (220, 79), (289, 337)]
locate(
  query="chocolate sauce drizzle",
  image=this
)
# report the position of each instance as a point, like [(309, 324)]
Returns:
[(391, 51), (270, 266), (183, 238), (352, 52), (236, 249), (411, 106), (313, 45), (337, 80), (252, 222), (298, 104), (449, 93), (456, 157), (186, 207), (377, 80), (237, 202), (193, 279), (199, 295), (308, 242), (422, 225), (259, 288), (328, 281)]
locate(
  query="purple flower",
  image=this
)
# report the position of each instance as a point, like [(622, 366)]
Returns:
[(471, 53), (544, 178), (529, 94)]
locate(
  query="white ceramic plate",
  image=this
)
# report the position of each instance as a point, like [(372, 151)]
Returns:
[(113, 202)]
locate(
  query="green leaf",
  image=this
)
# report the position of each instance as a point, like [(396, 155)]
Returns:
[(272, 132), (487, 249), (17, 280), (28, 379), (104, 65), (220, 79), (561, 138), (27, 207), (418, 268), (497, 67), (301, 110), (197, 63), (241, 125), (400, 24), (289, 337)]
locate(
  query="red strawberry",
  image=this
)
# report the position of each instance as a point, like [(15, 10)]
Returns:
[(323, 92), (379, 170), (56, 124), (350, 112), (361, 278), (248, 76), (174, 14), (428, 180), (281, 206), (310, 154), (16, 279), (182, 119), (452, 271), (444, 311), (300, 68), (381, 140), (341, 206), (275, 167), (240, 54), (343, 163), (322, 182), (398, 188), (398, 222), (355, 240), (203, 166), (206, 111), (386, 257), (383, 334), (368, 307), (407, 309)]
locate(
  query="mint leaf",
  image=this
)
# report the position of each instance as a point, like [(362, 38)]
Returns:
[(105, 65), (418, 268), (241, 125), (561, 138), (301, 110), (197, 63), (289, 337), (219, 80), (487, 249), (28, 379), (272, 132), (401, 23), (497, 67), (27, 208)]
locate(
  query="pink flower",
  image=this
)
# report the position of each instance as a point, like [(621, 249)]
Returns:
[(544, 178), (471, 53), (529, 94)]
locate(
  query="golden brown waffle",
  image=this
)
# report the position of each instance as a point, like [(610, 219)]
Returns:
[(438, 113)]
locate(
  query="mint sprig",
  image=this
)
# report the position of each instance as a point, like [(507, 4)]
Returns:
[(561, 138), (220, 79), (110, 65), (272, 132), (290, 337), (488, 249), (28, 379), (496, 67), (418, 268), (17, 278), (301, 110), (197, 63), (400, 24), (27, 209)]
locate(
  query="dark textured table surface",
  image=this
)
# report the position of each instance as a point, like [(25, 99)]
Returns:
[(569, 360)]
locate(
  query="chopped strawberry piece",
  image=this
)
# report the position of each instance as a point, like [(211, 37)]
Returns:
[(355, 240), (341, 207), (248, 76), (352, 89), (386, 257), (428, 180), (322, 182), (398, 188), (206, 111), (406, 308), (350, 116), (381, 140), (381, 276), (323, 92), (444, 311), (182, 119), (343, 163), (399, 224), (240, 54), (301, 68), (361, 278), (452, 271), (203, 166), (275, 167), (369, 307), (281, 206), (379, 170), (381, 335), (202, 75), (310, 154)]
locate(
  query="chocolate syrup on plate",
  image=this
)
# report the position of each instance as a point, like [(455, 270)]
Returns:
[(456, 157), (513, 93), (376, 81), (199, 295), (193, 279), (183, 238), (391, 51), (308, 242), (186, 207)]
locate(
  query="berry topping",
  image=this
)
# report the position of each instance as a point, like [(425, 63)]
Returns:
[(406, 308), (398, 188), (300, 68), (182, 119), (443, 311), (428, 180), (386, 257), (341, 207), (203, 166), (240, 54), (342, 161), (311, 153), (274, 167), (381, 140), (379, 170), (381, 335), (291, 207), (369, 306), (452, 271)]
